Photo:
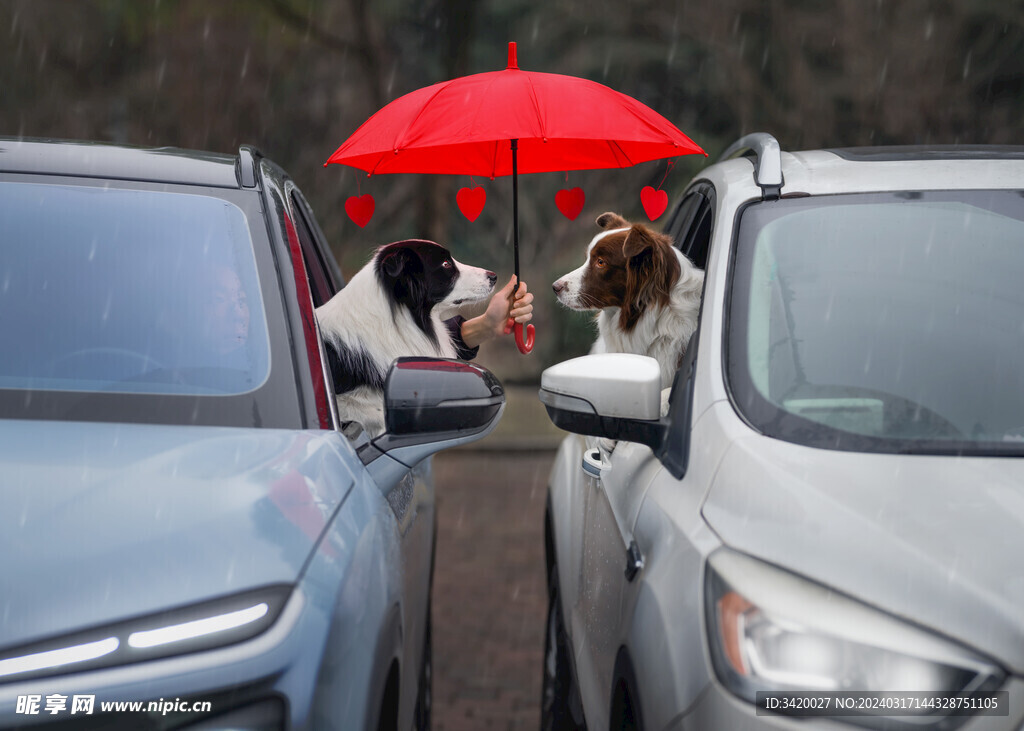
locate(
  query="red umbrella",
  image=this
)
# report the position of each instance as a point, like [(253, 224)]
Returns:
[(510, 122)]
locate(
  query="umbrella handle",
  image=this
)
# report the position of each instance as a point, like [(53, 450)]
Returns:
[(525, 344)]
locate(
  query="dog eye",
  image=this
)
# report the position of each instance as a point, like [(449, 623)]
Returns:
[(446, 264), (599, 263)]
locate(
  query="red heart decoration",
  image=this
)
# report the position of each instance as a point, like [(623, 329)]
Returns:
[(471, 201), (570, 202), (655, 201), (360, 209)]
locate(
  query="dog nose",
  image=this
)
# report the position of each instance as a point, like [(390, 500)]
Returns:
[(492, 277), (558, 286)]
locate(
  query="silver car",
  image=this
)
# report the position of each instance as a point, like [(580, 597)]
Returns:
[(826, 528)]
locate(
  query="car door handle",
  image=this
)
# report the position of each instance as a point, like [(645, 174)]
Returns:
[(634, 561), (592, 463)]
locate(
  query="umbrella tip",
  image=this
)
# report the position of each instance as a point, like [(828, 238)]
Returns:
[(513, 63)]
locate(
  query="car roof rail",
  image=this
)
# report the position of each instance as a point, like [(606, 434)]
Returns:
[(767, 163), (246, 170)]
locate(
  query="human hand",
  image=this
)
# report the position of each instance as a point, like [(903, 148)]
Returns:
[(501, 311), (524, 335), (520, 309), (503, 307)]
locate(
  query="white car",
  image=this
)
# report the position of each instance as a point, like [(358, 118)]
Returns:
[(828, 526)]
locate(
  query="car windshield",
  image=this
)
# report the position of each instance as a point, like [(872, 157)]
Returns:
[(883, 322), (127, 291)]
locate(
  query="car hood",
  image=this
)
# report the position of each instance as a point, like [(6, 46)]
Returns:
[(934, 540), (100, 522)]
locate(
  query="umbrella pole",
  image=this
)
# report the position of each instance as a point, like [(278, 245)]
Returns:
[(515, 210), (523, 342)]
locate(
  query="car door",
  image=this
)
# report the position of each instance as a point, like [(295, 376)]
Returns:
[(615, 485)]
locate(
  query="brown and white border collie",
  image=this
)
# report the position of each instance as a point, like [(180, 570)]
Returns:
[(646, 292)]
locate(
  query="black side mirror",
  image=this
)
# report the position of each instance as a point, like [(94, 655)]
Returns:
[(431, 404), (431, 395)]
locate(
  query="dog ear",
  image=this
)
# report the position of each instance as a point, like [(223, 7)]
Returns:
[(651, 271), (611, 220), (400, 269), (638, 240), (394, 262)]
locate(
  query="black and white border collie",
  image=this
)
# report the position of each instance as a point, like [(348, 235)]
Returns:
[(647, 293), (395, 306)]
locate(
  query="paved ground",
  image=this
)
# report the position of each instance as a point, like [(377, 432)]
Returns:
[(490, 601)]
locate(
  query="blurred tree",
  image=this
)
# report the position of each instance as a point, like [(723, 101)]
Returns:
[(296, 77)]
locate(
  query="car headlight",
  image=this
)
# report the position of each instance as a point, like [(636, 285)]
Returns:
[(769, 630), (174, 632)]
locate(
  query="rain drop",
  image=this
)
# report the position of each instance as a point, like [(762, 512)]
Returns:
[(391, 78)]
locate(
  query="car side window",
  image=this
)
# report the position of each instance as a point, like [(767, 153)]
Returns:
[(321, 275), (692, 235), (691, 231), (690, 227), (679, 222), (698, 241), (321, 283)]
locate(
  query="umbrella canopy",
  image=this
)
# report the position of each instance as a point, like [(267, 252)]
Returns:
[(510, 122), (463, 127)]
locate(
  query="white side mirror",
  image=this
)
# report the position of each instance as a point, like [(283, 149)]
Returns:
[(618, 385)]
